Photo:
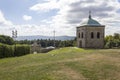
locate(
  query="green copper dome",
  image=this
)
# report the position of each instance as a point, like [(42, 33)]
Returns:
[(91, 22)]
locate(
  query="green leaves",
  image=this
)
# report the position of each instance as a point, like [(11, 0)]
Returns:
[(6, 40)]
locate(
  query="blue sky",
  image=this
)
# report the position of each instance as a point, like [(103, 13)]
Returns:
[(42, 17), (13, 9)]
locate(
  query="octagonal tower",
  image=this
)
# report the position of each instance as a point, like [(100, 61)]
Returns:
[(90, 34)]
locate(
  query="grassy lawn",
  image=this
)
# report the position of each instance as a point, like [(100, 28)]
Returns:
[(64, 64)]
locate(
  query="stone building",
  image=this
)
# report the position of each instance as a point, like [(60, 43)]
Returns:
[(90, 34), (35, 47)]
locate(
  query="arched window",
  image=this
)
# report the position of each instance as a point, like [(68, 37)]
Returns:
[(82, 35), (98, 35), (92, 35), (79, 35)]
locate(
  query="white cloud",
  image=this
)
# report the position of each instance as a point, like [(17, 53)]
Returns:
[(27, 30), (33, 29), (72, 12), (3, 21), (4, 24), (27, 18), (48, 5)]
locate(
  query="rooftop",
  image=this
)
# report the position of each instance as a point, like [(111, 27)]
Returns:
[(90, 21)]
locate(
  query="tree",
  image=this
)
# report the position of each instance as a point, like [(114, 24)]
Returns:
[(112, 41), (6, 39), (116, 36)]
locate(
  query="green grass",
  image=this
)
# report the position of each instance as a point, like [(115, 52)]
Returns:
[(64, 64)]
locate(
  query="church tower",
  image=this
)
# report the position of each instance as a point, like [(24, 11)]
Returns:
[(90, 34)]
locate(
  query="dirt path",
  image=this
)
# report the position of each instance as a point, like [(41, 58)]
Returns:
[(70, 73)]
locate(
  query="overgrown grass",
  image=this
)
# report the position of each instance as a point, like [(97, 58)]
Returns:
[(64, 64)]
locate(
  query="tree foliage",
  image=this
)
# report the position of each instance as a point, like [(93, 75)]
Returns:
[(112, 41), (46, 43), (6, 40)]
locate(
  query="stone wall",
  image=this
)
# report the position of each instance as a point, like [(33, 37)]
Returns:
[(87, 41), (79, 38)]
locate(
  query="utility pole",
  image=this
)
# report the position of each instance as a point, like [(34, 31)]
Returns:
[(14, 36), (54, 37)]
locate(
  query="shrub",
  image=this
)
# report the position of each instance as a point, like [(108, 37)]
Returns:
[(11, 51), (6, 51), (20, 50), (1, 51)]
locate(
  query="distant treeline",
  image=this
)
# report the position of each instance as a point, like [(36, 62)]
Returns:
[(46, 43), (111, 41)]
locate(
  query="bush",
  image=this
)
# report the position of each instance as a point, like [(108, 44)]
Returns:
[(11, 51), (1, 51), (6, 51), (20, 50)]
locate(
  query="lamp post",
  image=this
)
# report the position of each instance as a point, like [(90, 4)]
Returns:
[(54, 37), (14, 36)]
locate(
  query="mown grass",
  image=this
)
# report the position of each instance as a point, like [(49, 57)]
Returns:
[(64, 64)]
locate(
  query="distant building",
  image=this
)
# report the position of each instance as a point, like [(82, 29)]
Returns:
[(35, 47), (90, 34)]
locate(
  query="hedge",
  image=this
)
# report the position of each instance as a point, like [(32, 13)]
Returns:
[(11, 51), (6, 51), (20, 50)]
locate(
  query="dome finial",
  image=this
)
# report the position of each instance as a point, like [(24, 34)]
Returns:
[(89, 14)]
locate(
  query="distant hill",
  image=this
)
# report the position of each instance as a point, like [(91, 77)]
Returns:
[(45, 37)]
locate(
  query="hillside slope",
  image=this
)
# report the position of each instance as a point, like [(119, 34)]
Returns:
[(64, 64)]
